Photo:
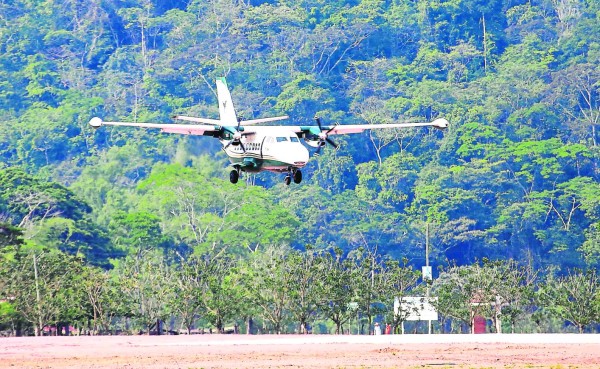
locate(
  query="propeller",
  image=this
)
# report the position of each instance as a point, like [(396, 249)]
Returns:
[(324, 136), (237, 137)]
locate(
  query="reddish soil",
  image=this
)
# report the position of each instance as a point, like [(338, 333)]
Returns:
[(218, 351)]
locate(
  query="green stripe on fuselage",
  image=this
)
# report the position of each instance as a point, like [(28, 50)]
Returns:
[(255, 165)]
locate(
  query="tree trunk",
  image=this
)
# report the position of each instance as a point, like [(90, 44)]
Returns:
[(249, 326)]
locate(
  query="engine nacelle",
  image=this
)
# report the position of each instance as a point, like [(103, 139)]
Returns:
[(316, 143)]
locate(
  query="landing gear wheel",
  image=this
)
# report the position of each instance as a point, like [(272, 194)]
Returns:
[(287, 180), (234, 175), (297, 176)]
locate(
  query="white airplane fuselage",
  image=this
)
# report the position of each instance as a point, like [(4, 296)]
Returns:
[(274, 150)]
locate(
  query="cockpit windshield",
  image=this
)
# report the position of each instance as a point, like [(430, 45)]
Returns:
[(292, 138)]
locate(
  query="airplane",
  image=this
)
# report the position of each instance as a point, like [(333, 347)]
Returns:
[(255, 148)]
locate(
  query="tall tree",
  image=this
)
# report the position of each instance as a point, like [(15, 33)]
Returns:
[(573, 297)]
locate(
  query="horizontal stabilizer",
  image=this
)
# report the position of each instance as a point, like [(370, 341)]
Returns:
[(263, 120), (197, 120)]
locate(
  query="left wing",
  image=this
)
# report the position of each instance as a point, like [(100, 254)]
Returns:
[(318, 135), (341, 129), (357, 128), (185, 129)]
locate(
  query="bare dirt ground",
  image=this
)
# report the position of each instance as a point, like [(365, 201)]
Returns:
[(291, 351)]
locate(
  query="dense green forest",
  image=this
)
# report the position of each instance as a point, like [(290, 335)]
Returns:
[(514, 177)]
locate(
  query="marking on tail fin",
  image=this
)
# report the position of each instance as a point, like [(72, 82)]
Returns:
[(226, 108)]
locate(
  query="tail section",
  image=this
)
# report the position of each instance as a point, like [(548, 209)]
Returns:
[(226, 109)]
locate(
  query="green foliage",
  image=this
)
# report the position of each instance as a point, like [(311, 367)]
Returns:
[(43, 287), (573, 297), (29, 199), (10, 237)]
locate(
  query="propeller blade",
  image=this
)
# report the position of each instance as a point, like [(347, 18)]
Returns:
[(330, 141), (242, 146), (319, 122), (323, 137)]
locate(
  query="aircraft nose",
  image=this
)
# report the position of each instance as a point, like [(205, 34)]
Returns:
[(299, 157)]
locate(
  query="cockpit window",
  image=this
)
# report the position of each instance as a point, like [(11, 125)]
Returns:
[(294, 139), (281, 139)]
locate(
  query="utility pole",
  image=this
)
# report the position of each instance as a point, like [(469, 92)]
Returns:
[(427, 249), (428, 269), (38, 329)]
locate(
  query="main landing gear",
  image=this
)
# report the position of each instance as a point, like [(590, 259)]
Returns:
[(234, 175), (296, 174)]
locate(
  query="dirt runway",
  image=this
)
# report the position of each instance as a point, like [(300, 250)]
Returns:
[(293, 351)]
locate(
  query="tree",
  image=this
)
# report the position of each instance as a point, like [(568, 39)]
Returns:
[(573, 297), (10, 237), (400, 280), (145, 280), (211, 215), (188, 279), (591, 246), (339, 290), (575, 93), (221, 293), (306, 270), (303, 97), (136, 231), (104, 298), (42, 286), (271, 284), (369, 275), (515, 286), (52, 216), (30, 199), (464, 292)]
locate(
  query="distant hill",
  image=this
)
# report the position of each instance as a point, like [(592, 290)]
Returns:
[(515, 176)]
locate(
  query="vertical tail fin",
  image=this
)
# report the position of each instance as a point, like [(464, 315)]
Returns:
[(226, 109)]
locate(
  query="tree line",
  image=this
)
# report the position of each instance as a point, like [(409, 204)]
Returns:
[(280, 290)]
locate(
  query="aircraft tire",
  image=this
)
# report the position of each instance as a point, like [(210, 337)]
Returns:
[(287, 180), (297, 176), (234, 176)]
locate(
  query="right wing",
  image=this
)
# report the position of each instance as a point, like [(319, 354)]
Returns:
[(184, 129)]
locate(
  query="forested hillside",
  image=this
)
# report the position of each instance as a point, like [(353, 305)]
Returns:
[(515, 175)]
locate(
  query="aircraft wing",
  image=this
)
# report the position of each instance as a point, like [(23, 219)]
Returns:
[(357, 128), (263, 120), (198, 120), (185, 129)]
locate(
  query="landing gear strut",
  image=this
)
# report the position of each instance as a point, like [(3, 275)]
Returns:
[(296, 174)]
